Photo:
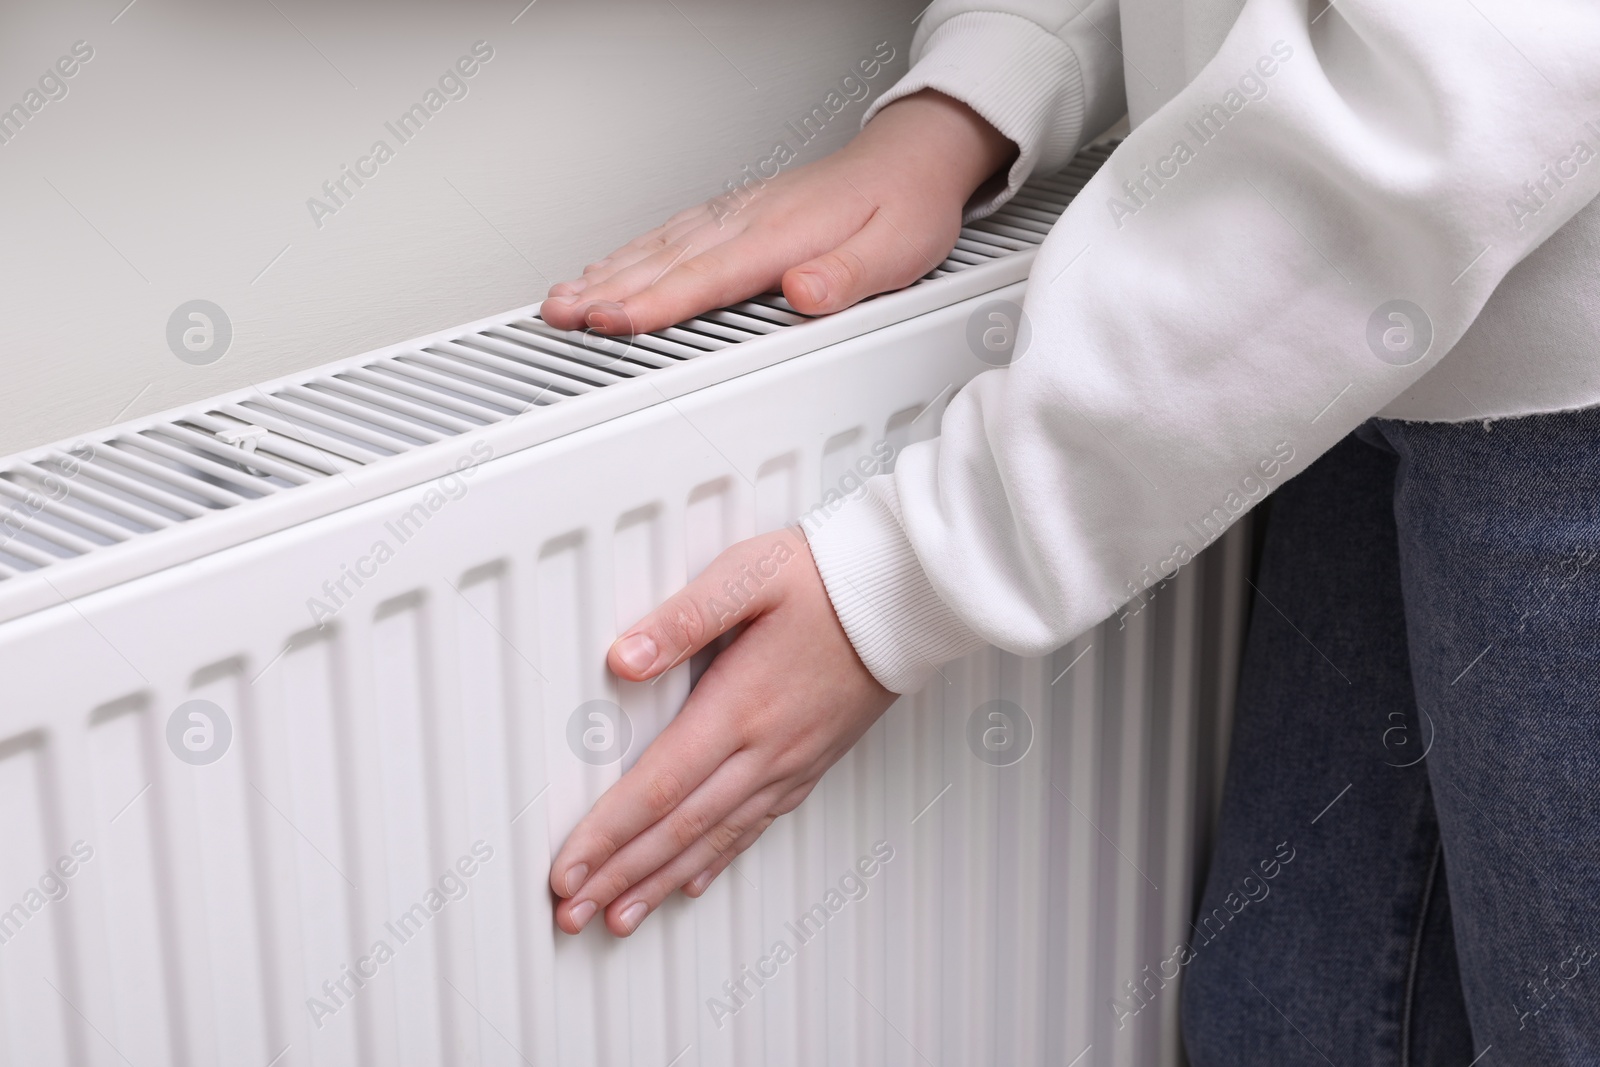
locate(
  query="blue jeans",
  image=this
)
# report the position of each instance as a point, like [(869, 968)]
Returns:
[(1418, 731)]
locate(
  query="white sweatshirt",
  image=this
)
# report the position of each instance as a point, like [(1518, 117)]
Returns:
[(1304, 228)]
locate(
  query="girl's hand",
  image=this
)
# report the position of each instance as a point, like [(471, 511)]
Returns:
[(875, 216), (776, 709)]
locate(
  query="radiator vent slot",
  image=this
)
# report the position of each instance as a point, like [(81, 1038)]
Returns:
[(59, 506)]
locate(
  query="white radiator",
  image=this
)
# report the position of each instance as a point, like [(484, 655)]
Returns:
[(391, 761)]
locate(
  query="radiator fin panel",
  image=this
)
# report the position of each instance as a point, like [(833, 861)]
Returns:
[(228, 454), (401, 717)]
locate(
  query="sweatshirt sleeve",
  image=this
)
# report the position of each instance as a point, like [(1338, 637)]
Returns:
[(1046, 73), (1292, 241)]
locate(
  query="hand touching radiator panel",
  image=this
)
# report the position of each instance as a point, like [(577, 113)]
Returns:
[(875, 216), (778, 707), (789, 696)]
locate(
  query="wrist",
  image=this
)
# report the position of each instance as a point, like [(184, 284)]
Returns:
[(938, 138)]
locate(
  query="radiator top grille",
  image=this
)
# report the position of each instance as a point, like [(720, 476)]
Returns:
[(118, 485)]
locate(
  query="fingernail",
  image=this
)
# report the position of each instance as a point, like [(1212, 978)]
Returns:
[(575, 878), (577, 285), (633, 915), (565, 298), (812, 286), (637, 651), (582, 914), (700, 883)]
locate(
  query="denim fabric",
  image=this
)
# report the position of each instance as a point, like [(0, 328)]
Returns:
[(1419, 721)]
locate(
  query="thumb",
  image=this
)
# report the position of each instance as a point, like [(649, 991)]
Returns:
[(737, 586), (875, 259)]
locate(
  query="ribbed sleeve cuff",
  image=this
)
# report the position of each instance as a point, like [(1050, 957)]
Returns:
[(900, 627), (1025, 81)]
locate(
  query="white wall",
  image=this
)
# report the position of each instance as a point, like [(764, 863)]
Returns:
[(179, 163)]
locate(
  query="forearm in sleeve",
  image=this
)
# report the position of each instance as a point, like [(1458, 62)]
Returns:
[(1288, 244), (1046, 73)]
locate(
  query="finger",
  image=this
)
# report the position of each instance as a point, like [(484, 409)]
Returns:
[(788, 803), (624, 275), (715, 815), (625, 914), (688, 218), (693, 213), (737, 586), (577, 285), (599, 266), (715, 265), (685, 754), (655, 884), (709, 277), (670, 234), (702, 881), (875, 259), (654, 889), (562, 307), (734, 587), (708, 816), (640, 248), (704, 270)]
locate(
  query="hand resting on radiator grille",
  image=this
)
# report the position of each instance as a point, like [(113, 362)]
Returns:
[(875, 216), (776, 709), (789, 695)]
